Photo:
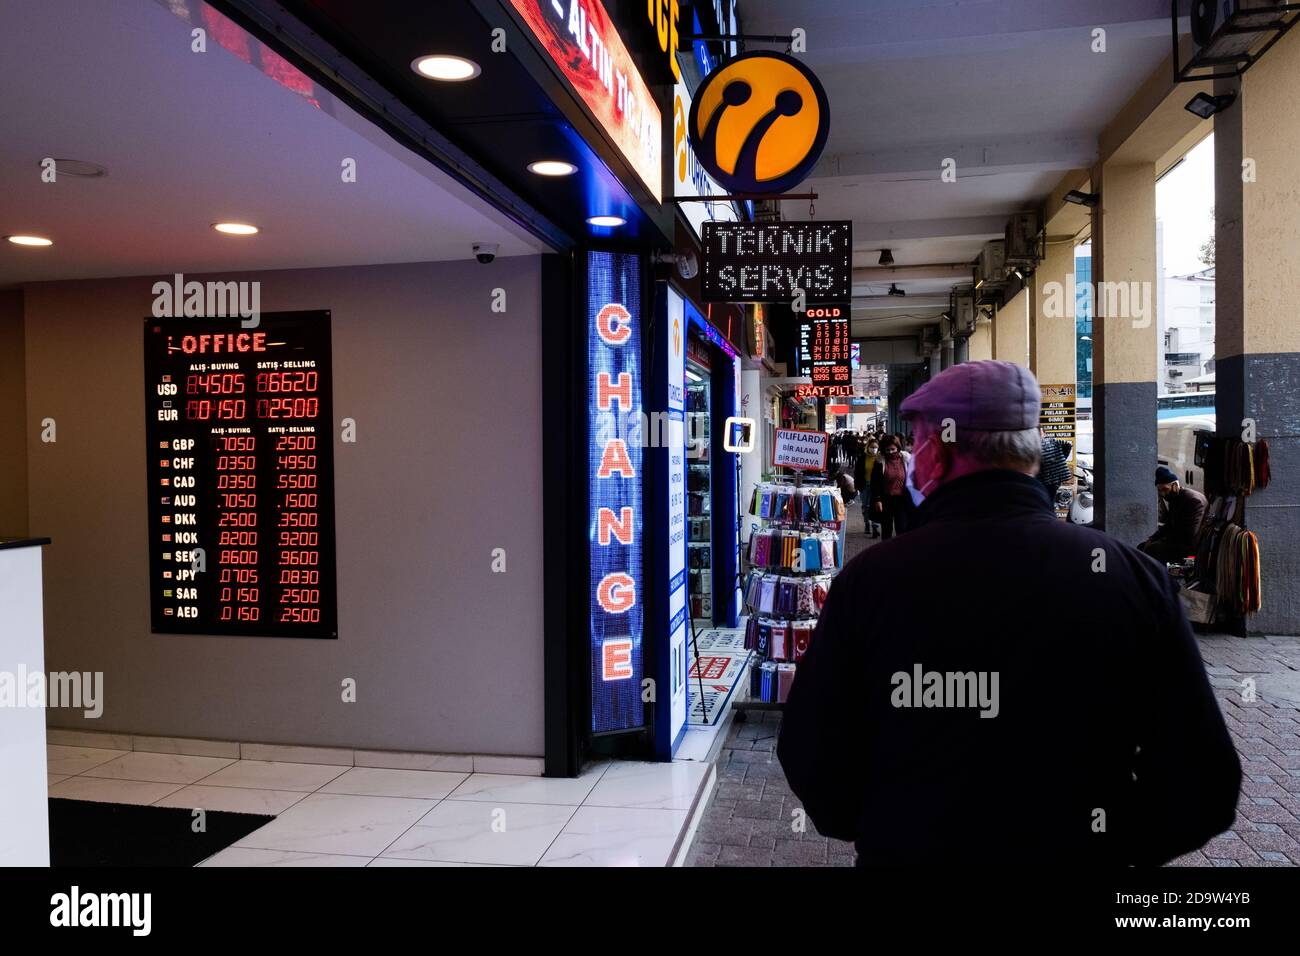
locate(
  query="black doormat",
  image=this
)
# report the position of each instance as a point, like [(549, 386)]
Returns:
[(83, 833)]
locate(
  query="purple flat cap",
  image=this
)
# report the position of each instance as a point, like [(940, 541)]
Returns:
[(985, 396)]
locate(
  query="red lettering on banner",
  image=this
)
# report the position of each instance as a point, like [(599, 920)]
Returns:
[(616, 659), (621, 528), (615, 459), (613, 324), (605, 391), (617, 592)]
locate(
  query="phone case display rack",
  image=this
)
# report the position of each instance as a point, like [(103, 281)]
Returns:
[(792, 559), (699, 486)]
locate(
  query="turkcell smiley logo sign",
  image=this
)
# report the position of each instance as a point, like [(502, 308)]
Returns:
[(759, 123)]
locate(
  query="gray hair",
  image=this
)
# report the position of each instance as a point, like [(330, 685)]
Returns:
[(1018, 450)]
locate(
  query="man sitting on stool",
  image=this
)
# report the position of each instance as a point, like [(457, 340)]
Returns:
[(1176, 538)]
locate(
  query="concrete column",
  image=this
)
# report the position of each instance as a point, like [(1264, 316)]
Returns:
[(936, 362), (1124, 348), (960, 351), (947, 354), (1051, 317), (1257, 337), (1011, 330), (980, 347)]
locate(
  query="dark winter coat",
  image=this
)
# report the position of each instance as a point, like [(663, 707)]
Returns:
[(1107, 746)]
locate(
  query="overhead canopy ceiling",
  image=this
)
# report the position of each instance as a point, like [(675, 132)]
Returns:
[(1012, 90), (193, 138)]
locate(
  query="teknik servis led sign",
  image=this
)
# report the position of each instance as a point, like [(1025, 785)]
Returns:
[(773, 262), (759, 123)]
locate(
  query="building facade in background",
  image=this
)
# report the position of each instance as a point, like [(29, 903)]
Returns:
[(1083, 328), (1187, 332)]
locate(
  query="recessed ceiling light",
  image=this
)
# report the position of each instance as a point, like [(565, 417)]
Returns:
[(235, 228), (443, 66), (30, 240), (608, 221), (552, 167)]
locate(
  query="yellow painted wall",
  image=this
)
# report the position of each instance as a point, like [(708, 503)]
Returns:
[(1052, 320), (1271, 204), (1011, 336), (1124, 270), (981, 343)]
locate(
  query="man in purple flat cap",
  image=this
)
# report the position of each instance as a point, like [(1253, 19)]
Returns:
[(996, 685)]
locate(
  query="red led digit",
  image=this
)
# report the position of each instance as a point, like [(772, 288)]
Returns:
[(237, 519), (298, 519), (238, 539), (298, 539), (296, 558)]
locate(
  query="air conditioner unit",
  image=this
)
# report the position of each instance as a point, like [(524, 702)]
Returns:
[(991, 272), (963, 311), (1024, 242), (1229, 36)]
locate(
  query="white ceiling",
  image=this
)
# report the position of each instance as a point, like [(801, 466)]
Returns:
[(1010, 89), (194, 138)]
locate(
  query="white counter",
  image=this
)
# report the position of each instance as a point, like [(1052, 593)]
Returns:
[(24, 812)]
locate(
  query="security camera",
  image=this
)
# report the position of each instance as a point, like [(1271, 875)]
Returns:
[(687, 265), (485, 252)]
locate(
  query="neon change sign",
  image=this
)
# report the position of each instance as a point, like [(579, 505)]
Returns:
[(614, 458), (582, 41)]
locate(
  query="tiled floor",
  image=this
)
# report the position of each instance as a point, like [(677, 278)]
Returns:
[(614, 814)]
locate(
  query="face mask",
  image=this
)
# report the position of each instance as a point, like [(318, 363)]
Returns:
[(871, 449), (918, 495)]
